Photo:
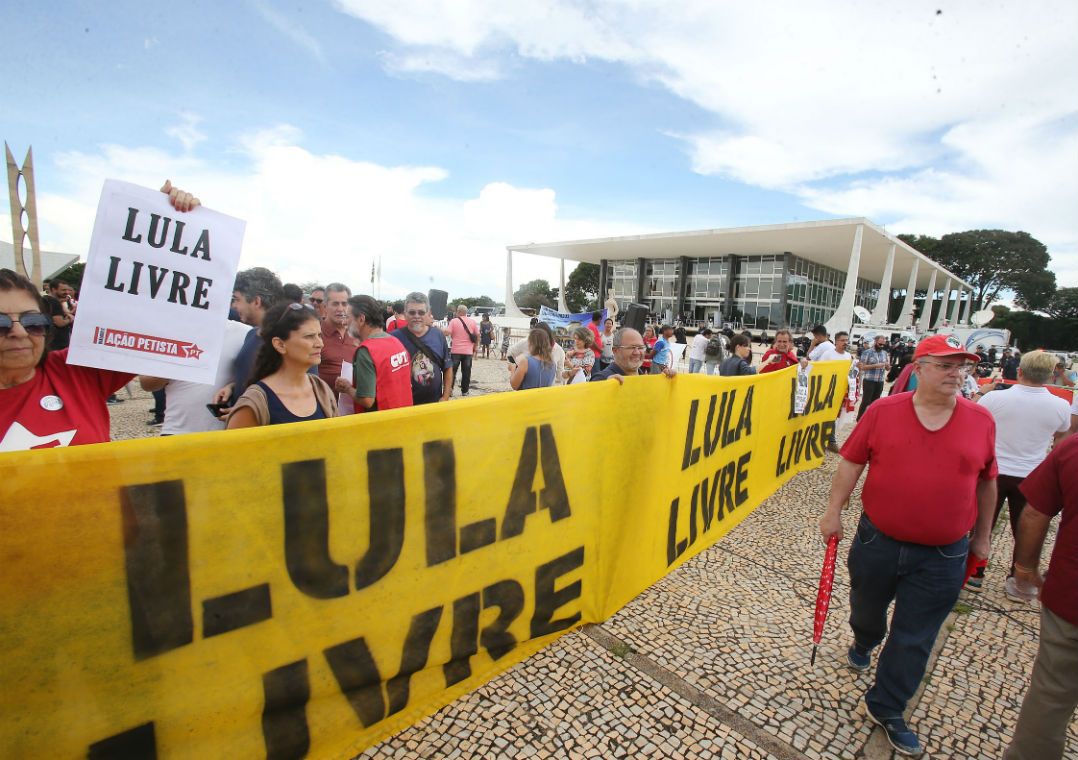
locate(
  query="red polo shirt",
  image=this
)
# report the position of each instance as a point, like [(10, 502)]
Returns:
[(921, 485), (1053, 488), (337, 348)]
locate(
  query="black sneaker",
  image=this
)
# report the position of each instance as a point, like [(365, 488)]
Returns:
[(904, 741), (857, 659)]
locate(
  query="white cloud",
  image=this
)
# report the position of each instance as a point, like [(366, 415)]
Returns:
[(328, 217), (187, 131), (946, 116)]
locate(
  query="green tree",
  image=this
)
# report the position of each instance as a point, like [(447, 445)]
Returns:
[(72, 275), (1063, 304), (993, 261), (582, 288), (535, 294), (472, 301)]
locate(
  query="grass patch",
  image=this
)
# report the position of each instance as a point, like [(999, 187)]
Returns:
[(962, 608), (621, 650)]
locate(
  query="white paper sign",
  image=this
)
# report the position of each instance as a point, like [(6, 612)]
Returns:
[(802, 394), (157, 286), (676, 350), (345, 403)]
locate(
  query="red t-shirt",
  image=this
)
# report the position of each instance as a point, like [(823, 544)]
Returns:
[(63, 405), (922, 485), (598, 347), (1051, 488), (395, 323), (787, 359)]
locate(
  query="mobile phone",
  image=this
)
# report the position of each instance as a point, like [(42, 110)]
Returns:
[(215, 409)]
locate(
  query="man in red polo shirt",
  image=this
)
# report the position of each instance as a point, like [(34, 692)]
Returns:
[(338, 345), (931, 478), (1049, 705)]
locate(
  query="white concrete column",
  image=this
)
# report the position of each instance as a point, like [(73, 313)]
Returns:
[(954, 307), (905, 319), (562, 307), (511, 308), (967, 309), (943, 306), (842, 319), (924, 324), (879, 314)]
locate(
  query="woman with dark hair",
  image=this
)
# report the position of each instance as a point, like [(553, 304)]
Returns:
[(44, 401), (538, 370), (282, 390)]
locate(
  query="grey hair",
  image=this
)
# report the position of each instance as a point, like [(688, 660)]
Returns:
[(619, 334), (417, 297), (338, 287)]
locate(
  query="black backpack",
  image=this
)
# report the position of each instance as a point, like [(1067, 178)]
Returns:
[(713, 347)]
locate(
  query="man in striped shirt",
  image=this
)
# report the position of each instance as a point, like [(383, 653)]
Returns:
[(874, 363)]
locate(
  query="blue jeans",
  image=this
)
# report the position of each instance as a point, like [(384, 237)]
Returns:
[(924, 582), (695, 365)]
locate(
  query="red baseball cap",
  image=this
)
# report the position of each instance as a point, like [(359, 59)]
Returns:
[(943, 345)]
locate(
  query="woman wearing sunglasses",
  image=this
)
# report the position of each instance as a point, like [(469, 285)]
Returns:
[(282, 390), (44, 401)]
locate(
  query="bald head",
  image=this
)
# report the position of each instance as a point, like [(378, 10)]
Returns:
[(628, 350)]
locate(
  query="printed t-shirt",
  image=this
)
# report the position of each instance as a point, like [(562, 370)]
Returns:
[(787, 359), (1051, 488), (62, 405), (426, 375), (461, 343), (1026, 419), (336, 349), (922, 485)]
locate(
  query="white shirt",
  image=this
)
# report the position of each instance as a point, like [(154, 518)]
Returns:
[(830, 354), (1026, 419), (185, 402), (696, 350), (817, 354)]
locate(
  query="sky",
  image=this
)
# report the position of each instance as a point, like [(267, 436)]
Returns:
[(430, 135)]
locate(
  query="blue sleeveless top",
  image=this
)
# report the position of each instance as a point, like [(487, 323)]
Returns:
[(279, 413), (537, 375)]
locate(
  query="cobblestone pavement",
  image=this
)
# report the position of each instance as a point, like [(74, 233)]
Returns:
[(713, 660)]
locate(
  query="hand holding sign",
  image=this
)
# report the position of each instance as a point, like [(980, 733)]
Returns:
[(158, 283)]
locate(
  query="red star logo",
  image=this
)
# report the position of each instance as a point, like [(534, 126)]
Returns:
[(192, 351)]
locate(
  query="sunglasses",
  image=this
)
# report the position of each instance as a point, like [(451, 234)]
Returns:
[(317, 300), (416, 313), (33, 322)]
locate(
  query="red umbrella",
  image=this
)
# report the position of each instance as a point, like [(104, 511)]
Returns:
[(823, 596)]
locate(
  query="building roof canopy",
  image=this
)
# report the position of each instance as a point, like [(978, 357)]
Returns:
[(826, 242)]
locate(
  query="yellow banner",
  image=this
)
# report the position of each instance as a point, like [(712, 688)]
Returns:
[(307, 590)]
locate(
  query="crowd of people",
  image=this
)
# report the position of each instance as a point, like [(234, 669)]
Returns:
[(943, 452)]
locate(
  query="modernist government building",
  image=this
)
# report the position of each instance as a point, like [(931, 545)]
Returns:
[(783, 275)]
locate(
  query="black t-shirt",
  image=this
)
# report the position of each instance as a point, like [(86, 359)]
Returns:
[(61, 336)]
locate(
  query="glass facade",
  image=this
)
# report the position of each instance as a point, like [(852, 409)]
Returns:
[(814, 290), (621, 276), (762, 292), (660, 286)]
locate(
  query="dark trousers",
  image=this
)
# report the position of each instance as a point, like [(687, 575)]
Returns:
[(924, 582), (159, 404), (1007, 490), (871, 390), (462, 366)]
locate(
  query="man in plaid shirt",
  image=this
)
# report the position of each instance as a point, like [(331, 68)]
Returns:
[(874, 363)]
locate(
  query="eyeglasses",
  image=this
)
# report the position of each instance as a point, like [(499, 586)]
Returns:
[(632, 348), (416, 313), (949, 367), (33, 322), (316, 300)]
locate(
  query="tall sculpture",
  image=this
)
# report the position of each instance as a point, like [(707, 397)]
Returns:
[(21, 232)]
